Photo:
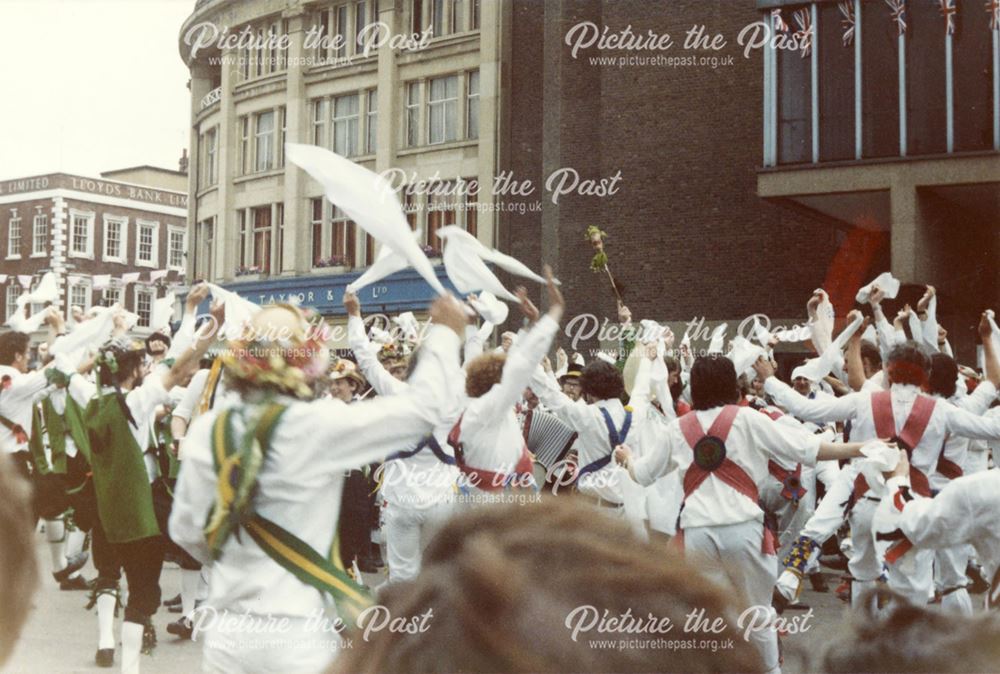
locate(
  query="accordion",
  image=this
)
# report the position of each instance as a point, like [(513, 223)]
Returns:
[(547, 437)]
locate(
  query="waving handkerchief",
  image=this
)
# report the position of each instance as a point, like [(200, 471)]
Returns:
[(832, 358), (490, 308), (886, 282), (368, 199), (387, 263)]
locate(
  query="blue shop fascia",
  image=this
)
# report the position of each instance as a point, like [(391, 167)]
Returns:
[(403, 291)]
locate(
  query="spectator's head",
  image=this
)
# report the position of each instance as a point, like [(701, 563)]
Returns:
[(871, 358), (908, 364), (15, 351), (944, 375), (482, 372), (507, 340), (508, 588), (601, 380), (346, 381), (713, 382), (18, 566), (157, 344), (902, 637), (570, 384)]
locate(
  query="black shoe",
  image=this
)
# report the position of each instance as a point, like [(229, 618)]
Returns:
[(148, 638), (797, 606), (105, 657), (176, 601), (979, 583), (818, 582), (75, 583), (778, 601), (73, 564), (182, 628)]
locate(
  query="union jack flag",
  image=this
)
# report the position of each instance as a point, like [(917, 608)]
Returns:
[(898, 9), (948, 11), (847, 11), (993, 7), (803, 19)]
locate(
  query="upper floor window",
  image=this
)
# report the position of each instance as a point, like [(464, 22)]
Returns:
[(176, 247), (14, 234), (13, 292), (81, 235), (147, 243), (143, 305), (262, 139), (442, 110), (267, 52), (337, 123), (115, 231), (208, 174), (40, 234), (444, 17)]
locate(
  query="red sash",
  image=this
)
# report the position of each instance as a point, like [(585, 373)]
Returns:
[(791, 480), (910, 436), (486, 480), (728, 471), (946, 467)]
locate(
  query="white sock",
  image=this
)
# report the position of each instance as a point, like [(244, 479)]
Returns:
[(788, 585), (858, 588), (190, 582), (203, 585), (106, 620), (55, 534), (131, 647), (123, 593), (74, 546)]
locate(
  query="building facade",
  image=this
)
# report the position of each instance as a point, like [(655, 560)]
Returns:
[(732, 177), (85, 229), (416, 102), (715, 218)]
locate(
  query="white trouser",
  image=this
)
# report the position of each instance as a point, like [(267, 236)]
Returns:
[(912, 575), (731, 556), (301, 649), (408, 530), (949, 573)]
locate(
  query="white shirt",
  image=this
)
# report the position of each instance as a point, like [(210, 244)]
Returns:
[(751, 441), (17, 403), (945, 419), (422, 480), (492, 440), (302, 479), (142, 403), (963, 512)]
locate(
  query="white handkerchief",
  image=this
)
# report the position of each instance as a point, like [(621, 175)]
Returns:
[(408, 326), (718, 342), (879, 458), (465, 259), (815, 369), (745, 354), (387, 263), (886, 281), (490, 308), (163, 310), (238, 311), (368, 199), (46, 291)]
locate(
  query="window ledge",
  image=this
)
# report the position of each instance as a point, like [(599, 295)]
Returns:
[(37, 255), (13, 257), (263, 174), (450, 145), (147, 265), (205, 190)]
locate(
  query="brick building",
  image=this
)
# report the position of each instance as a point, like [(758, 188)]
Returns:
[(724, 206), (128, 221)]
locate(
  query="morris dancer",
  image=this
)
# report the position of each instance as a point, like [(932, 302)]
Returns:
[(720, 469)]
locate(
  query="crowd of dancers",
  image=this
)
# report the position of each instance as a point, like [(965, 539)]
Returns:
[(270, 472)]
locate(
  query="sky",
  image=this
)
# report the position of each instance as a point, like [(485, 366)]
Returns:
[(91, 85)]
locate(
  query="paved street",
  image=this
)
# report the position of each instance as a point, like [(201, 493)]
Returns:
[(61, 637)]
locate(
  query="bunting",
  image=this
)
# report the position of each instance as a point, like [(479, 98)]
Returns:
[(155, 276), (898, 9), (131, 277), (101, 281), (25, 280), (948, 11), (846, 8)]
